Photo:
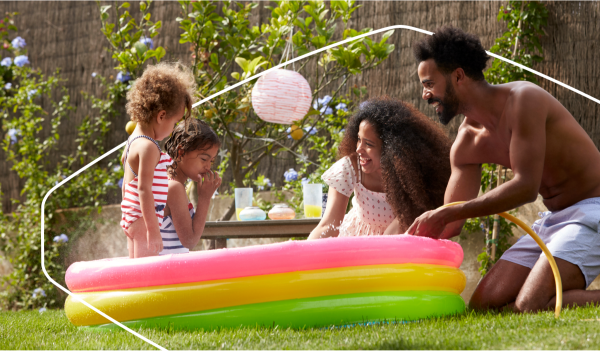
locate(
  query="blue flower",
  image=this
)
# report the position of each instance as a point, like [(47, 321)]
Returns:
[(322, 105), (38, 291), (116, 168), (290, 175), (289, 132), (267, 182), (18, 43), (120, 183), (21, 60), (7, 61), (148, 42), (7, 86), (304, 181), (123, 77), (31, 93), (94, 74), (63, 238), (61, 178), (324, 101), (342, 106), (108, 183), (12, 133), (42, 310), (311, 130), (343, 130)]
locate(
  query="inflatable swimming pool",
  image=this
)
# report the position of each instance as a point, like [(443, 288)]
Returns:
[(295, 284)]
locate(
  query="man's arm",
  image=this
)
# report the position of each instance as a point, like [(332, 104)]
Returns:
[(526, 114), (463, 185)]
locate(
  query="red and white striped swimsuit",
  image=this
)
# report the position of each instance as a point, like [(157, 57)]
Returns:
[(130, 206)]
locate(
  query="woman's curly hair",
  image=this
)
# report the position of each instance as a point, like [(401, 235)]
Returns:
[(165, 86), (198, 135), (452, 48), (415, 155)]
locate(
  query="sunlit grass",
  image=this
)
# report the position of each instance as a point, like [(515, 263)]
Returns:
[(576, 329)]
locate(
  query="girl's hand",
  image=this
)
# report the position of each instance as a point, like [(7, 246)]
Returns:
[(155, 243), (208, 184)]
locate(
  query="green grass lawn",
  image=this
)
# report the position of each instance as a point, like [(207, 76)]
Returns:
[(576, 329)]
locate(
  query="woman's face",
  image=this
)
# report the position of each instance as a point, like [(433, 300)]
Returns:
[(368, 148), (198, 162)]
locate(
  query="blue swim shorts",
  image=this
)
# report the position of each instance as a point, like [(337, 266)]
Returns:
[(571, 234)]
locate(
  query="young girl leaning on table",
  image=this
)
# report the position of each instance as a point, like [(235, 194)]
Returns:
[(193, 152)]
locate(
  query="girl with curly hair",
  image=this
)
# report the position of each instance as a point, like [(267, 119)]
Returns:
[(157, 101), (396, 161), (193, 150)]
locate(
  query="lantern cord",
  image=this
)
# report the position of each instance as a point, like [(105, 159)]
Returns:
[(289, 50)]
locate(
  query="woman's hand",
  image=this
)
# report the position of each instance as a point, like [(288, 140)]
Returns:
[(208, 184)]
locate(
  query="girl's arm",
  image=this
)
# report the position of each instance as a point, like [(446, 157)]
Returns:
[(148, 155), (190, 230), (333, 217)]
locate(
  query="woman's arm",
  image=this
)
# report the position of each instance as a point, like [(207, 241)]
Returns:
[(190, 230), (394, 228), (333, 217)]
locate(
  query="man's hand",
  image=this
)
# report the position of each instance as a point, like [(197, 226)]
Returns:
[(430, 224)]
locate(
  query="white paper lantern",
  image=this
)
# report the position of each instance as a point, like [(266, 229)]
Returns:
[(281, 96)]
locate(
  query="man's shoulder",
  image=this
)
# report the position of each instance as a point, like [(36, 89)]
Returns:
[(524, 93), (464, 142)]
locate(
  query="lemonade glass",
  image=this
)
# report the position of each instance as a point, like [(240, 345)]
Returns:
[(243, 199), (313, 200)]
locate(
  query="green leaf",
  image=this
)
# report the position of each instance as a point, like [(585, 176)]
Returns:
[(242, 62), (160, 53), (140, 48)]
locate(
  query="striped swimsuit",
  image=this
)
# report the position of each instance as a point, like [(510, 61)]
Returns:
[(171, 242), (130, 206)]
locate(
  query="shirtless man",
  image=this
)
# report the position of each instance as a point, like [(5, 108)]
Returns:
[(522, 127)]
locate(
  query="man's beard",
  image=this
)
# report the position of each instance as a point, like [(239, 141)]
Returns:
[(449, 105)]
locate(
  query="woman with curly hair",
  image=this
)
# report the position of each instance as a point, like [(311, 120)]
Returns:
[(396, 161)]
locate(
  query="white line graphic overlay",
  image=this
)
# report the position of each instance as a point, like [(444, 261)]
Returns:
[(258, 75)]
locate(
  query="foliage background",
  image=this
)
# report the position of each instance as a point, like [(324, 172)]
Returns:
[(65, 35)]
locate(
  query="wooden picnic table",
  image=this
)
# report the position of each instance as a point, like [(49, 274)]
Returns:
[(219, 232)]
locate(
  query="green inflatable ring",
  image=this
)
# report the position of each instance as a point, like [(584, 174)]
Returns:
[(314, 312)]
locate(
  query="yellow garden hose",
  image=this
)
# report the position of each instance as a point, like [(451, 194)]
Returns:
[(539, 241)]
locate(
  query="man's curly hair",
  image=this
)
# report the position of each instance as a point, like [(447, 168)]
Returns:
[(198, 135), (415, 155), (452, 48), (165, 86)]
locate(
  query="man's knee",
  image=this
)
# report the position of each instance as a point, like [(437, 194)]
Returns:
[(485, 298), (500, 286)]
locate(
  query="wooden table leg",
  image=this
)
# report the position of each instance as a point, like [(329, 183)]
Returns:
[(221, 243)]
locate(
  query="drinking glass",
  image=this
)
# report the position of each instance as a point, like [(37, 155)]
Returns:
[(313, 200), (243, 199)]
